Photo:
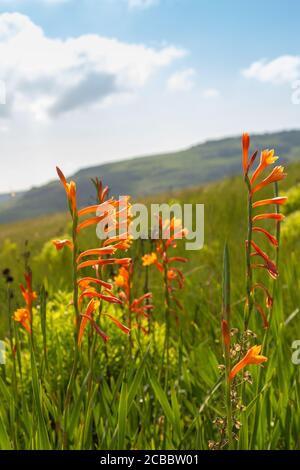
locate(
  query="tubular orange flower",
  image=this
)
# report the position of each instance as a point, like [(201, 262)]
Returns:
[(274, 216), (269, 299), (245, 145), (118, 323), (103, 207), (123, 280), (141, 309), (270, 237), (266, 158), (103, 262), (22, 316), (88, 222), (275, 200), (60, 244), (28, 294), (70, 189), (109, 250), (276, 175), (102, 193), (92, 293), (270, 265), (91, 307), (252, 357), (271, 268), (95, 327), (84, 283)]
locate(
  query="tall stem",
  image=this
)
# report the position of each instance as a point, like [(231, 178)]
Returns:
[(77, 320), (249, 306), (226, 313), (11, 342), (228, 398), (75, 276), (167, 316)]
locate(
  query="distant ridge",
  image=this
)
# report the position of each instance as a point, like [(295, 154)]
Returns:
[(142, 176)]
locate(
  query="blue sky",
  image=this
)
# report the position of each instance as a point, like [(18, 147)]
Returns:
[(91, 81)]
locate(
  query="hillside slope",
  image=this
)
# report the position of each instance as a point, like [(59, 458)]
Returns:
[(149, 175)]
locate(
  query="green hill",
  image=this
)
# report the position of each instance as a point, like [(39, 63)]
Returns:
[(142, 176)]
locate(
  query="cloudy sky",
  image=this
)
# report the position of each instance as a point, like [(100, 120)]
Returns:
[(91, 81)]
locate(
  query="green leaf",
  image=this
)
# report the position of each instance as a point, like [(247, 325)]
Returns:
[(162, 398), (5, 443), (43, 442), (122, 416)]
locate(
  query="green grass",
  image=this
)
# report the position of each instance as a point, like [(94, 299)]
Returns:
[(129, 404)]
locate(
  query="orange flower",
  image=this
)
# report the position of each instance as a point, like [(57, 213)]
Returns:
[(91, 307), (28, 294), (98, 330), (117, 323), (266, 158), (269, 298), (70, 189), (103, 262), (84, 283), (120, 281), (275, 200), (101, 192), (270, 237), (140, 308), (276, 175), (149, 259), (22, 316), (252, 357), (92, 293), (88, 222), (103, 207), (246, 145), (109, 250), (275, 216), (270, 266), (171, 274), (60, 244)]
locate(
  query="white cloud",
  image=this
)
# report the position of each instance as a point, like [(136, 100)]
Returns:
[(142, 4), (210, 93), (182, 80), (46, 76), (283, 69)]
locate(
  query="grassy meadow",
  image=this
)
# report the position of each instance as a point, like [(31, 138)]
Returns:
[(163, 386)]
